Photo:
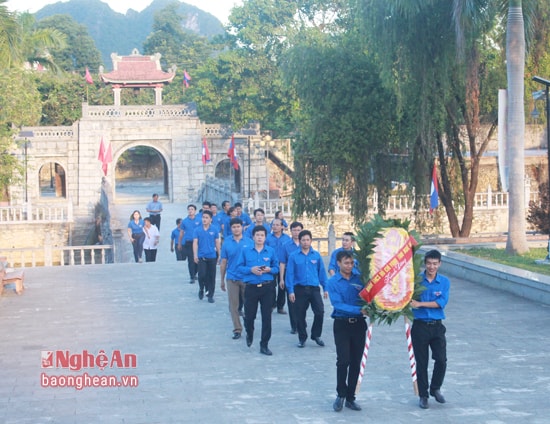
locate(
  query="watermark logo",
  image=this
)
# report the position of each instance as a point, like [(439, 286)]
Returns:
[(85, 359)]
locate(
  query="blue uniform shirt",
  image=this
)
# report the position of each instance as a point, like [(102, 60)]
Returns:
[(246, 219), (231, 251), (438, 291), (206, 240), (333, 263), (226, 219), (188, 225), (277, 243), (136, 228), (154, 206), (250, 257), (175, 235), (248, 231), (344, 296), (305, 270), (287, 249)]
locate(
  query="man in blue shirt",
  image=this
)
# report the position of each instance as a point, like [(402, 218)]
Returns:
[(305, 274), (231, 251), (286, 250), (277, 239), (185, 241), (174, 237), (428, 331), (349, 329), (243, 215), (259, 216), (347, 244), (154, 208), (258, 264), (206, 249)]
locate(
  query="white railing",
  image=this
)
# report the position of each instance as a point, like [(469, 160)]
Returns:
[(139, 112), (36, 213), (58, 255)]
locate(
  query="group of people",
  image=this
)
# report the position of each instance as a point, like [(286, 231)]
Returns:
[(262, 267), (144, 233)]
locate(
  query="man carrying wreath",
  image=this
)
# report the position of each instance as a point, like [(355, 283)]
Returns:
[(428, 331)]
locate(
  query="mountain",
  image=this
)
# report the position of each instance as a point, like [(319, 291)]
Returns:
[(115, 32)]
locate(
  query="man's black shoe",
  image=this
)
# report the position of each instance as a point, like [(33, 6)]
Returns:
[(318, 341), (236, 335), (265, 350), (292, 331), (201, 294), (281, 311), (248, 339), (437, 395), (423, 403), (352, 405), (211, 300), (338, 404), (301, 344)]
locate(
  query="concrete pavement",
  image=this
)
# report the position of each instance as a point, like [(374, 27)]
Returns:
[(191, 371)]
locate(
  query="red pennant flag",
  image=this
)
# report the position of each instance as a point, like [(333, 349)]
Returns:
[(186, 78), (231, 153), (89, 79), (101, 151), (108, 158), (205, 153)]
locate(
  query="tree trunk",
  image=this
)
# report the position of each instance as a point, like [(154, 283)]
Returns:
[(515, 66)]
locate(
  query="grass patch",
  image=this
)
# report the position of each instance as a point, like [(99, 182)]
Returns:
[(500, 256)]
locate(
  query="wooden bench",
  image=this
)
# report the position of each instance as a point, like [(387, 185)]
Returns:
[(7, 276)]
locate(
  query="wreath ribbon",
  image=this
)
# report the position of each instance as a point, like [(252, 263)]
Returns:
[(387, 273)]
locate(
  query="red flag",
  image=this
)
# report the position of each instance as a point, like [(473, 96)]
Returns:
[(107, 158), (434, 192), (231, 153), (101, 151), (89, 79), (186, 78), (205, 153)]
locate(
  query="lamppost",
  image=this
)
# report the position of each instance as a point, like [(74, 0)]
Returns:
[(267, 143), (539, 95)]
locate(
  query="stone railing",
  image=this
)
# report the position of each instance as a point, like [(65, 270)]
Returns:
[(36, 213), (139, 112), (59, 255), (49, 133)]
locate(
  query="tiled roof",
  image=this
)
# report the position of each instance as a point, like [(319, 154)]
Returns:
[(137, 70)]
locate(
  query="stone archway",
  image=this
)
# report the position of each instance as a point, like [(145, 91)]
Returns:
[(225, 171), (141, 170), (51, 180)]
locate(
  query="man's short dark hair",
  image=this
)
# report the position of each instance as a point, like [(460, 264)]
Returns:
[(238, 205), (206, 203), (213, 204), (349, 233), (258, 210), (191, 206), (343, 254), (296, 224), (234, 221), (147, 219), (207, 212), (304, 233), (230, 210), (225, 202), (178, 221), (433, 254), (258, 228), (155, 195)]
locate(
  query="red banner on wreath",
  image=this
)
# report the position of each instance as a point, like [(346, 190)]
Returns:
[(389, 271)]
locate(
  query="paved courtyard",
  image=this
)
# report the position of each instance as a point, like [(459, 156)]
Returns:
[(191, 371)]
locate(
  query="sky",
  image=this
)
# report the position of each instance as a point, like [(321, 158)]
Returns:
[(219, 8)]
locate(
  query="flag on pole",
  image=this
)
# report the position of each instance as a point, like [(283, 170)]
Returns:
[(107, 158), (186, 78), (89, 79), (434, 192), (205, 153), (231, 153)]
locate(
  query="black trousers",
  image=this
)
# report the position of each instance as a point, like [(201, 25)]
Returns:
[(349, 339), (305, 296), (254, 295), (207, 275), (279, 297), (427, 336), (150, 255), (188, 253), (155, 220)]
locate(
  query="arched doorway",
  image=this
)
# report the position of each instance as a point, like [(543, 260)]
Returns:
[(225, 171), (140, 171), (51, 180)]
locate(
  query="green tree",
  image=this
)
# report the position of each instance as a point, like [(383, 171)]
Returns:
[(80, 50), (9, 37)]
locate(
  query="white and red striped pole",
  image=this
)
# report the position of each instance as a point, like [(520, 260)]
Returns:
[(412, 360), (364, 358)]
